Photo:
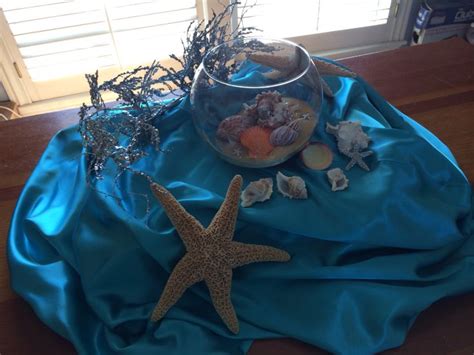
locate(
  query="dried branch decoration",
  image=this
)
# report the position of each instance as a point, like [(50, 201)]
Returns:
[(124, 134)]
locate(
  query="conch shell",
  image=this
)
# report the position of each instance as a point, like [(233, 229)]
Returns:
[(351, 141), (257, 191), (337, 179), (291, 186)]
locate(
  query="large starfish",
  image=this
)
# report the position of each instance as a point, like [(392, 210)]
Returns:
[(290, 65), (210, 253)]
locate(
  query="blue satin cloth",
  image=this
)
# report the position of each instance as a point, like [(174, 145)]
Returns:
[(365, 261)]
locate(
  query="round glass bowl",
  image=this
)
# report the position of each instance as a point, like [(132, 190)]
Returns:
[(256, 101)]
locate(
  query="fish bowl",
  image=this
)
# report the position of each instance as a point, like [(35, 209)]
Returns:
[(256, 101)]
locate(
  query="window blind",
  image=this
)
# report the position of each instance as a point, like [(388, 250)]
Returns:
[(303, 17), (58, 38)]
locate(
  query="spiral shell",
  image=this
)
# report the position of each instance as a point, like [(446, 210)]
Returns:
[(257, 191), (291, 186), (232, 127), (337, 179), (283, 135)]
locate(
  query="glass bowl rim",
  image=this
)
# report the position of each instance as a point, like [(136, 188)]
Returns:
[(259, 87)]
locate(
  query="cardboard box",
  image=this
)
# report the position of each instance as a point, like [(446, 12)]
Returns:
[(442, 19)]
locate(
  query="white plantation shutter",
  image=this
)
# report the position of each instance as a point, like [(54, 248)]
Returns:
[(146, 30), (60, 38)]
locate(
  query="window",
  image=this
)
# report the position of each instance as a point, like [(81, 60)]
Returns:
[(46, 46), (329, 25), (55, 42), (61, 38)]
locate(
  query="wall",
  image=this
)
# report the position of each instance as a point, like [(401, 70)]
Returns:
[(3, 93)]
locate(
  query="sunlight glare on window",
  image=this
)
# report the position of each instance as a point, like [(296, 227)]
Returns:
[(279, 19)]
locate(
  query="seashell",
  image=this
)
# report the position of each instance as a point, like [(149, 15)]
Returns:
[(283, 135), (257, 191), (317, 156), (265, 103), (232, 127), (257, 140), (351, 141), (250, 110), (276, 118), (291, 186), (281, 113), (349, 136), (337, 179)]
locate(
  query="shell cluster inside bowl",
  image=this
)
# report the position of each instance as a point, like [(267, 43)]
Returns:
[(256, 103)]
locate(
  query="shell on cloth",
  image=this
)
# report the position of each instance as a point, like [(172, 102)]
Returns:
[(316, 156), (349, 135), (284, 135), (257, 191), (232, 127), (337, 179), (291, 186), (351, 141)]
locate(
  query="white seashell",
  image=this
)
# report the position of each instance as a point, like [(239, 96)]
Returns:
[(351, 141), (257, 191), (349, 135), (291, 186), (337, 179)]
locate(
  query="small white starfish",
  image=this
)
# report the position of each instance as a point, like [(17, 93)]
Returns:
[(357, 158)]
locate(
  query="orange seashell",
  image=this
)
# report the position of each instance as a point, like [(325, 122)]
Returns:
[(257, 140)]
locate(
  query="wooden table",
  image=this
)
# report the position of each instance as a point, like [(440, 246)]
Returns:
[(432, 83)]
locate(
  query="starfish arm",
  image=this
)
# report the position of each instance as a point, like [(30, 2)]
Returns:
[(186, 225), (243, 254), (282, 63), (362, 164), (275, 74), (185, 274), (219, 288), (327, 68), (223, 223), (350, 164)]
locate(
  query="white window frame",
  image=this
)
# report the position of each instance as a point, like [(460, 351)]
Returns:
[(35, 97)]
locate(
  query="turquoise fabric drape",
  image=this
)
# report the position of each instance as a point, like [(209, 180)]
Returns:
[(365, 261)]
